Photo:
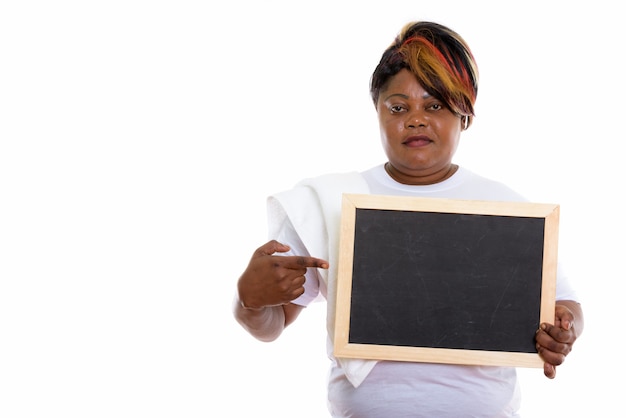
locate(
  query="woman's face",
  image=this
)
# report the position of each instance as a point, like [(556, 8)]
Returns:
[(419, 133)]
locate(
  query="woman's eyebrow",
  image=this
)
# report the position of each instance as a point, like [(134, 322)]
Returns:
[(426, 95), (404, 96)]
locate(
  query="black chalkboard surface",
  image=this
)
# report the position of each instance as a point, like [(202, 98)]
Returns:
[(443, 280)]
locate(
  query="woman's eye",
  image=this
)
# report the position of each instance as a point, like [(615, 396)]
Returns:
[(396, 109), (436, 106)]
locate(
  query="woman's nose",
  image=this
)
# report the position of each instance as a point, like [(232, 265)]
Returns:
[(416, 119)]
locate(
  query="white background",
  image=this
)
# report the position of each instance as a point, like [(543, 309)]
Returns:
[(139, 139)]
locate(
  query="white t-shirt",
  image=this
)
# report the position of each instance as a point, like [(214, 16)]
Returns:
[(411, 389)]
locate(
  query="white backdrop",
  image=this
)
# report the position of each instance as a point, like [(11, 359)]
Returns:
[(139, 139)]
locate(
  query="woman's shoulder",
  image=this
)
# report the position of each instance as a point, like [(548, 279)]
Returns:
[(489, 188)]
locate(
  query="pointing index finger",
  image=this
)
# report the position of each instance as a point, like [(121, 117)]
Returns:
[(311, 262)]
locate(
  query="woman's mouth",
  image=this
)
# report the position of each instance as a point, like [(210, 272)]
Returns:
[(417, 141)]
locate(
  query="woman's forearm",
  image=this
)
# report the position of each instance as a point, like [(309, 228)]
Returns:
[(265, 324)]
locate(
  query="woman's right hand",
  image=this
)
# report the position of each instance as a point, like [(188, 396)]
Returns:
[(271, 280)]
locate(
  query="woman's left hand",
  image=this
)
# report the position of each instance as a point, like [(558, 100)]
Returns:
[(554, 342)]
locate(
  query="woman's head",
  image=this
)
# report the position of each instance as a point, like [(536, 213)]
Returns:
[(440, 60)]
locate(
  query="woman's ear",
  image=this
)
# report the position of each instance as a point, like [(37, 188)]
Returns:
[(466, 122)]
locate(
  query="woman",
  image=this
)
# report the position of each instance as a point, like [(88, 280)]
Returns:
[(424, 90)]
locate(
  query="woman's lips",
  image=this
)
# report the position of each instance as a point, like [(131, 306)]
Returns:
[(417, 141)]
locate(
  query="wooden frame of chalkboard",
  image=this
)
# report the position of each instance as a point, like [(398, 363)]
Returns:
[(444, 280)]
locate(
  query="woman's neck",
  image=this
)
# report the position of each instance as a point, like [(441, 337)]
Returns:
[(413, 180)]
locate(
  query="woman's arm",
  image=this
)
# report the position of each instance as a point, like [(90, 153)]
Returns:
[(266, 288)]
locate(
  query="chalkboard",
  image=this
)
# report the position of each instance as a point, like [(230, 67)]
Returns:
[(444, 280)]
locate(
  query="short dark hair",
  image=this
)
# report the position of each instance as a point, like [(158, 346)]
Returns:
[(439, 58)]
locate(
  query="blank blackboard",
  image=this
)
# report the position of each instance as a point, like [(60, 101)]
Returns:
[(444, 280)]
